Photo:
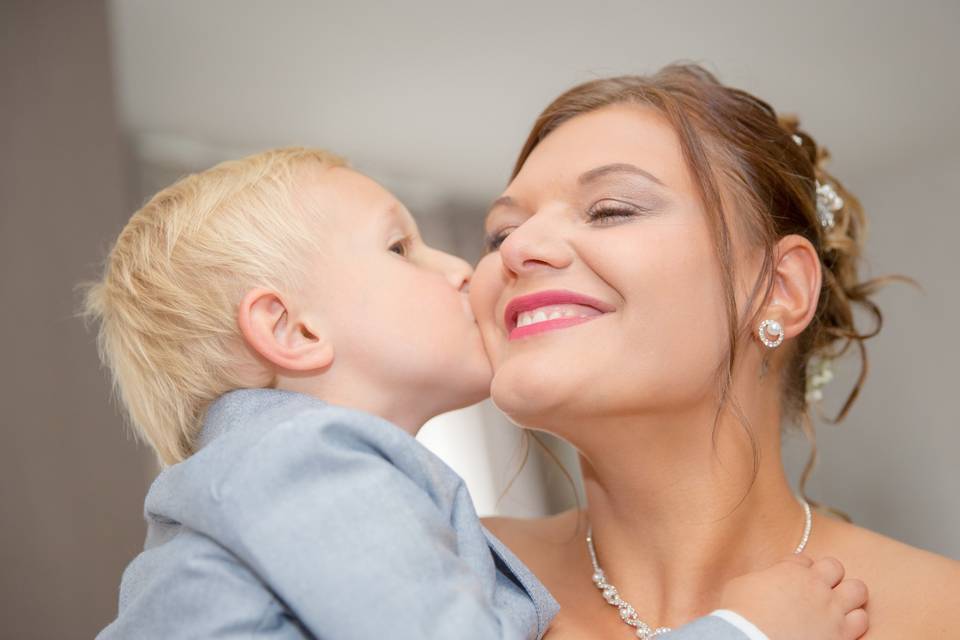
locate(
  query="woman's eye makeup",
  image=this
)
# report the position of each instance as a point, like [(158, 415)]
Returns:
[(492, 241), (607, 211), (610, 211)]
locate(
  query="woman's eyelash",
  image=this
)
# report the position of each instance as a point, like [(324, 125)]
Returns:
[(493, 241), (607, 212), (599, 213)]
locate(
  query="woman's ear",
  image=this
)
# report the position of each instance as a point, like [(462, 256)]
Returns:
[(796, 284), (280, 337)]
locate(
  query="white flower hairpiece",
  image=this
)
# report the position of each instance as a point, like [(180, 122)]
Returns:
[(828, 200), (828, 203)]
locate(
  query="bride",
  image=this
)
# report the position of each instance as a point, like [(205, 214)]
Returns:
[(665, 271)]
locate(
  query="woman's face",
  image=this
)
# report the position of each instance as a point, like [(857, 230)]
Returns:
[(601, 293)]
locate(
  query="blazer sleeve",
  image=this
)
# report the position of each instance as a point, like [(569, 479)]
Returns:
[(342, 521), (197, 590), (709, 627)]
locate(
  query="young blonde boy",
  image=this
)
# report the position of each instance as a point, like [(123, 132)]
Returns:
[(278, 332)]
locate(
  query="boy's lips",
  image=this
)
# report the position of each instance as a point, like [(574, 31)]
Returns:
[(552, 309)]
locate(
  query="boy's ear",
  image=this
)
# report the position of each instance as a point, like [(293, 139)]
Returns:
[(796, 286), (284, 340)]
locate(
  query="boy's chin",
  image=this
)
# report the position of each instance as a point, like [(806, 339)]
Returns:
[(469, 396), (454, 383), (473, 387)]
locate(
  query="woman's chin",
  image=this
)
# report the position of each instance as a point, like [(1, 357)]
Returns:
[(526, 399)]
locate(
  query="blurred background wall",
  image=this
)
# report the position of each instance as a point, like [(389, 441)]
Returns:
[(101, 104), (71, 482)]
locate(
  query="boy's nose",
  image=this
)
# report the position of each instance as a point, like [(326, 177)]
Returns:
[(456, 270), (460, 275)]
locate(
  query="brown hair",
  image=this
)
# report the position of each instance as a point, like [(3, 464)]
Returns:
[(732, 138)]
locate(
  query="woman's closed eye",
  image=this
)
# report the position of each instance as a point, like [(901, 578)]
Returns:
[(493, 240), (608, 211), (603, 212)]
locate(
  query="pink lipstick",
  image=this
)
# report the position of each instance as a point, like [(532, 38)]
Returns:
[(569, 309)]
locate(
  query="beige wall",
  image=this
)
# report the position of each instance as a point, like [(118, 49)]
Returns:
[(71, 486)]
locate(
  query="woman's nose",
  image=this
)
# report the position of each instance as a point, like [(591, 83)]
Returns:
[(534, 245)]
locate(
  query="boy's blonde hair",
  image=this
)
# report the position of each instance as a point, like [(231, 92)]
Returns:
[(167, 302)]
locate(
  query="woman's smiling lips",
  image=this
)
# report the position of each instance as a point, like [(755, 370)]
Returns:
[(548, 310)]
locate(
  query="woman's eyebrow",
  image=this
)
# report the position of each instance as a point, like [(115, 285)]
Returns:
[(502, 201), (619, 167)]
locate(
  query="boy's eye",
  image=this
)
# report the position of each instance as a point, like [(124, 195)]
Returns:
[(399, 247)]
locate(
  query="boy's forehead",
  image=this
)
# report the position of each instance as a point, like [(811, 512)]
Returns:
[(357, 197), (343, 183)]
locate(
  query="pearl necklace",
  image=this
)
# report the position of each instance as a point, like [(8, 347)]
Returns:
[(628, 614)]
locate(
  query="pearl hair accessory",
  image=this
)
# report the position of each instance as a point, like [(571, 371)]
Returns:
[(773, 328), (819, 373)]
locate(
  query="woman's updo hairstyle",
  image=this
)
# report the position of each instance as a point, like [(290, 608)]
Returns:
[(770, 171)]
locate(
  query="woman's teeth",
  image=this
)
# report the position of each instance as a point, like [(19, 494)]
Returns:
[(552, 313)]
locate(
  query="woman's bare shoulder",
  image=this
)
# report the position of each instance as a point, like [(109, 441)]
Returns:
[(912, 591)]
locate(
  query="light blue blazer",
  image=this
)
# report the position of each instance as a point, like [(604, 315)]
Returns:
[(301, 519)]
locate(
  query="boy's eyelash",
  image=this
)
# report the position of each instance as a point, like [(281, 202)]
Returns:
[(598, 213)]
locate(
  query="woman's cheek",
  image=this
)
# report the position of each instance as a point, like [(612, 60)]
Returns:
[(483, 292)]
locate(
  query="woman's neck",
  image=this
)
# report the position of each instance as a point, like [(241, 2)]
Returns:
[(677, 509)]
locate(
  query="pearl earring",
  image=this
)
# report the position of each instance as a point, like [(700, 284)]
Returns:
[(770, 333)]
